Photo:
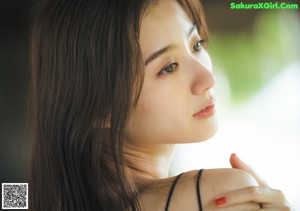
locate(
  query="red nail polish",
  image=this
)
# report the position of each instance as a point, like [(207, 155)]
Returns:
[(220, 201)]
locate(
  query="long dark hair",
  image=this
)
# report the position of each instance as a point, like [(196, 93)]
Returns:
[(87, 73)]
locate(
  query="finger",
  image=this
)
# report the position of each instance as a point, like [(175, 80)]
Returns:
[(236, 162), (257, 194)]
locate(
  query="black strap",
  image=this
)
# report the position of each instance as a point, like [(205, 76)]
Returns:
[(171, 191), (198, 189)]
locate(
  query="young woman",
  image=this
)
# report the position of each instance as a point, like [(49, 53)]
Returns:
[(115, 85)]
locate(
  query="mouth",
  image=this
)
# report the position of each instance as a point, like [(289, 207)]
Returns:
[(208, 111)]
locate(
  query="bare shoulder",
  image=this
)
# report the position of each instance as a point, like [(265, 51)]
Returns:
[(222, 180), (213, 182)]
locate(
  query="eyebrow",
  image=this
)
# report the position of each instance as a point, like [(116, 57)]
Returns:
[(165, 49)]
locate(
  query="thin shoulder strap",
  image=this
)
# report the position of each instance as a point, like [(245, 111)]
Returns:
[(198, 189), (171, 191)]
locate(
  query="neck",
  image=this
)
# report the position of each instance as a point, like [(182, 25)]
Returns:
[(149, 162)]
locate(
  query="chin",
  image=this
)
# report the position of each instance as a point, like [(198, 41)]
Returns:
[(199, 137), (207, 136), (206, 132)]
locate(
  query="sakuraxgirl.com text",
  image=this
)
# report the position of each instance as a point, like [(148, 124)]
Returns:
[(263, 5)]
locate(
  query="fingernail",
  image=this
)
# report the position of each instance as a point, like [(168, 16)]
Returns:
[(220, 201)]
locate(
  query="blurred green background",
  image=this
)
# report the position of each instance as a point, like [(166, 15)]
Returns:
[(251, 46), (251, 57)]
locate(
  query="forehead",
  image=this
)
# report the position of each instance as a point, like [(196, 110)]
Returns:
[(162, 23)]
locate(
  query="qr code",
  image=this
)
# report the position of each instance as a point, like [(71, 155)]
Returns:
[(14, 195)]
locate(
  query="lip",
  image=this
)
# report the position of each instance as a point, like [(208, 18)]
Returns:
[(207, 112)]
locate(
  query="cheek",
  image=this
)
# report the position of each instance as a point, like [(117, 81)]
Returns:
[(158, 115)]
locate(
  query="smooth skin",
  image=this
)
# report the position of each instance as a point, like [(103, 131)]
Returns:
[(179, 83)]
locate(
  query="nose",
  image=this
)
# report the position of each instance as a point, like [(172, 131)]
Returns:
[(202, 78)]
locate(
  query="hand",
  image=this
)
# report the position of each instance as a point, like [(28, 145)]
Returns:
[(268, 198)]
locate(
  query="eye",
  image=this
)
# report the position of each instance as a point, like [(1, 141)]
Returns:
[(171, 68), (199, 45)]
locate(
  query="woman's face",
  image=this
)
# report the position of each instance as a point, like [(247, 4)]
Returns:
[(178, 81)]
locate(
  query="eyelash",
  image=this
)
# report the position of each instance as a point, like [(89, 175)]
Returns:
[(174, 65)]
